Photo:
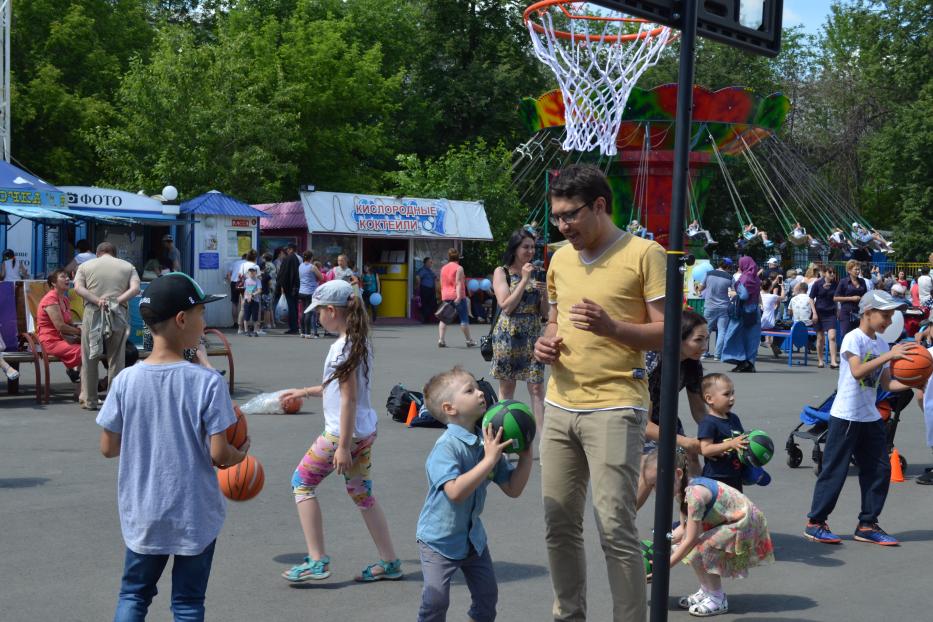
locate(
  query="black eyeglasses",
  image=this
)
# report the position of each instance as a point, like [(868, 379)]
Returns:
[(568, 218)]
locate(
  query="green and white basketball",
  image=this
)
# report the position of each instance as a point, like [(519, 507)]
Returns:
[(517, 423)]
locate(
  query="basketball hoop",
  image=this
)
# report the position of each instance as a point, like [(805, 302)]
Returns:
[(597, 60)]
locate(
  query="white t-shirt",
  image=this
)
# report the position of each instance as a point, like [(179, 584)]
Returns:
[(925, 286), (800, 308), (855, 399), (365, 415), (244, 268), (928, 408), (769, 303), (234, 268)]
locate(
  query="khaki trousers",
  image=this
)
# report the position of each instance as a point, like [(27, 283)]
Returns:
[(604, 447), (115, 347)]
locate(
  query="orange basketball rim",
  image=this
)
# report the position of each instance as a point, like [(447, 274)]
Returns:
[(543, 6)]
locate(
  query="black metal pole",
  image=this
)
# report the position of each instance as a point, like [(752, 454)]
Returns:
[(670, 355)]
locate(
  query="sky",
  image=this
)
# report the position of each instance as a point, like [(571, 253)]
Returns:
[(809, 13)]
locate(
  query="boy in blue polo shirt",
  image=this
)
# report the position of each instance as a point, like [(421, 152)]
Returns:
[(450, 533)]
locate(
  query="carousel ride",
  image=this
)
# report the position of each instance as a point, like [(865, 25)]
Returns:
[(599, 116)]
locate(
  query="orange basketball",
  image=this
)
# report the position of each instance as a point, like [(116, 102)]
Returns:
[(291, 406), (884, 409), (237, 433), (915, 370), (243, 481)]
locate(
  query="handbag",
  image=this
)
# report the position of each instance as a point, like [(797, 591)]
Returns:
[(447, 313), (485, 342)]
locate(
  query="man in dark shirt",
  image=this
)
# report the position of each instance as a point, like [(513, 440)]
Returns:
[(288, 285), (427, 290)]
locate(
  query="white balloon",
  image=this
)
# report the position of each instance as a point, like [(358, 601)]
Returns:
[(169, 193), (893, 332)]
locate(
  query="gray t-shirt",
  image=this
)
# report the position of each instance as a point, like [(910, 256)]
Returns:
[(716, 287), (167, 493)]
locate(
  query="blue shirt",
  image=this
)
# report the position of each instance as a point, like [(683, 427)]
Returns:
[(447, 527), (167, 493), (717, 430), (427, 277), (716, 286)]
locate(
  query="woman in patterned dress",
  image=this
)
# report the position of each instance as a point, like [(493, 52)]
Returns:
[(521, 293), (722, 534)]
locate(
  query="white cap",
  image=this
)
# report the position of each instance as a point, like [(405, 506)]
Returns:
[(772, 260), (336, 293)]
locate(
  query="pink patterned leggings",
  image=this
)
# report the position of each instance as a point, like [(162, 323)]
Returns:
[(318, 463)]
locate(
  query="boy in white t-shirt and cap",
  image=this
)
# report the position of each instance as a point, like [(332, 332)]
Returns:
[(855, 425)]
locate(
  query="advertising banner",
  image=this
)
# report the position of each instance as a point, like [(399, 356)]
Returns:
[(341, 213)]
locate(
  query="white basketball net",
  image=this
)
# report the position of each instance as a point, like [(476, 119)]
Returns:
[(595, 77)]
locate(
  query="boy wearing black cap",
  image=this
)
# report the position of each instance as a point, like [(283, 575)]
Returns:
[(166, 420), (855, 425)]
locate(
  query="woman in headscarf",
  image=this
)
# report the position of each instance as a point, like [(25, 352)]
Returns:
[(743, 334)]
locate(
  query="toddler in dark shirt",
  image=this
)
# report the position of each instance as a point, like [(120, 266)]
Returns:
[(721, 434)]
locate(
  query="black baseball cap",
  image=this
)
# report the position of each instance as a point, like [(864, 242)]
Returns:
[(171, 293)]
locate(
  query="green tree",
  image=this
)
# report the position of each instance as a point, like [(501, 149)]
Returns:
[(473, 171), (67, 62), (217, 115)]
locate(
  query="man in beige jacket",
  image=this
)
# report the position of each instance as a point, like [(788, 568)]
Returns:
[(106, 284)]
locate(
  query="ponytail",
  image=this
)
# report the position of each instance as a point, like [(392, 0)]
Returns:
[(357, 342), (680, 462)]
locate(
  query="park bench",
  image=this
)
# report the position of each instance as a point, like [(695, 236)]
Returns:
[(15, 359), (798, 336), (217, 345)]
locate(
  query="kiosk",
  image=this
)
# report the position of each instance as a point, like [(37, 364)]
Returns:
[(391, 234)]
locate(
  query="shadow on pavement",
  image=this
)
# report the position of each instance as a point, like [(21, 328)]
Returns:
[(23, 482), (796, 548), (764, 603), (506, 572), (918, 535)]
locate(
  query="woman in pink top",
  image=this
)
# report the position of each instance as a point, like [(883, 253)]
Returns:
[(54, 328), (453, 291)]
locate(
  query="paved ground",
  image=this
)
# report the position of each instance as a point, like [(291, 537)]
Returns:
[(61, 550)]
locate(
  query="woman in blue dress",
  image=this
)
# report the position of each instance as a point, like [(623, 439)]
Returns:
[(743, 335)]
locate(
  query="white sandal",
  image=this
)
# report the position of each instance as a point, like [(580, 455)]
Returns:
[(688, 601), (709, 606)]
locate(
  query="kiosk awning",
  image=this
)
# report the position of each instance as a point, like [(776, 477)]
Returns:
[(34, 213), (219, 204), (395, 217)]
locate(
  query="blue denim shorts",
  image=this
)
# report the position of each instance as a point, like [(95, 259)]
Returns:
[(462, 311)]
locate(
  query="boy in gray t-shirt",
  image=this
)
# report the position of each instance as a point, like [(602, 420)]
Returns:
[(166, 419)]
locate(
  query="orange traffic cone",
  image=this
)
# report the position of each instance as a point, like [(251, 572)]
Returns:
[(413, 412), (897, 475)]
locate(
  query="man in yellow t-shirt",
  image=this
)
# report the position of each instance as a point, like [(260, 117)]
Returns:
[(606, 290)]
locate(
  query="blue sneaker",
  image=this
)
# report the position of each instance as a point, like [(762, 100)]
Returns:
[(874, 534), (819, 532)]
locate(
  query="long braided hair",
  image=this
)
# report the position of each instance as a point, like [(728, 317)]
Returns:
[(357, 342)]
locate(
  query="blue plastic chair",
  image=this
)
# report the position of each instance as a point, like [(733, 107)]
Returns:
[(799, 338)]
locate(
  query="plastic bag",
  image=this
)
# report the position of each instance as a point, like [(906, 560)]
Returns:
[(264, 404), (281, 309)]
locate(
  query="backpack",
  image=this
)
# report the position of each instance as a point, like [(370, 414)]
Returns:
[(400, 400)]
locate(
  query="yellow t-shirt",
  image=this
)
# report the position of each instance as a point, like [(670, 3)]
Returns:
[(598, 372)]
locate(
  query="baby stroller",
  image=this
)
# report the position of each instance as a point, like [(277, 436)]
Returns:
[(814, 425)]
